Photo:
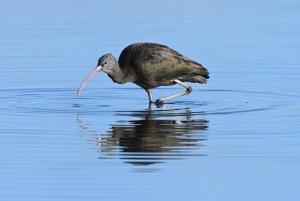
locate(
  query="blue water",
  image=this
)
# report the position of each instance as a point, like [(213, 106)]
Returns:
[(235, 138)]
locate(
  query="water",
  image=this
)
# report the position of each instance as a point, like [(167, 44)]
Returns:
[(235, 138)]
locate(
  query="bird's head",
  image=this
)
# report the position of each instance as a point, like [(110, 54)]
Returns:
[(106, 64)]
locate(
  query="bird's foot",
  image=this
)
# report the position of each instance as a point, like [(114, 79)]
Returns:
[(159, 102)]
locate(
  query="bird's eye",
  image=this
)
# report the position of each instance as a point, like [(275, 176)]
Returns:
[(104, 63)]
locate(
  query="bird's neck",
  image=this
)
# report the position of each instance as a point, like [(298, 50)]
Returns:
[(121, 75)]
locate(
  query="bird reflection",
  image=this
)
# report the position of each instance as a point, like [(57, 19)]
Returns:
[(150, 137)]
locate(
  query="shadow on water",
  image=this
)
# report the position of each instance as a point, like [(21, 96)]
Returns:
[(150, 136)]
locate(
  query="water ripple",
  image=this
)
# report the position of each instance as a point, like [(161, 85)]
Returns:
[(64, 101)]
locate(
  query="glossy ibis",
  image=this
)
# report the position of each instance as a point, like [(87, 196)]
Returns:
[(150, 65)]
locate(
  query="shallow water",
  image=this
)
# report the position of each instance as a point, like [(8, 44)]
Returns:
[(235, 138)]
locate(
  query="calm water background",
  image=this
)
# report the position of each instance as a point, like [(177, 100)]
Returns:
[(236, 138)]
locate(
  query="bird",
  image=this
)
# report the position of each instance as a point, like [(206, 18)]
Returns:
[(150, 65)]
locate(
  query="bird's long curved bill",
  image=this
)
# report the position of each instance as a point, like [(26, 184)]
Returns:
[(87, 78)]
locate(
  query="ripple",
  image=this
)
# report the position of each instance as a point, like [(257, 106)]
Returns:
[(45, 101), (131, 131), (64, 100)]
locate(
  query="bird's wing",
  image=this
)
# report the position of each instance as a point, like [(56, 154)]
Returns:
[(163, 63)]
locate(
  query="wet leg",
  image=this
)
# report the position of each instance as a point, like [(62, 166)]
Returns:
[(149, 92)]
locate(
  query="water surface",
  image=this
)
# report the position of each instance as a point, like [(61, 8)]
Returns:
[(235, 138)]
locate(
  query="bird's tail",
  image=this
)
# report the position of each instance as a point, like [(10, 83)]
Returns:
[(196, 79), (197, 68)]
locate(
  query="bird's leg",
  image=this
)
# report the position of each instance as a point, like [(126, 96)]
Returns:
[(149, 92), (188, 91)]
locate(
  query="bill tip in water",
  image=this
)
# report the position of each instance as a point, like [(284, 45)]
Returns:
[(78, 92)]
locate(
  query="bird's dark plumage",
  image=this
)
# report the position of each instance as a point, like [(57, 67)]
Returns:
[(150, 65), (157, 65)]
